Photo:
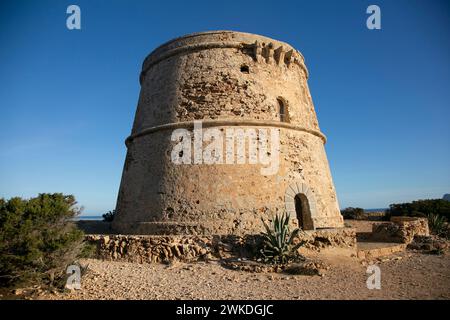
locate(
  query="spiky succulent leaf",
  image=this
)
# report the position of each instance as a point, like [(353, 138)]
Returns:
[(278, 240)]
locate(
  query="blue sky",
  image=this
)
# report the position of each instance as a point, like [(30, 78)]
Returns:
[(67, 98)]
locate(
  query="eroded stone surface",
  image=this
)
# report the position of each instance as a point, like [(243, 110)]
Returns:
[(400, 229), (188, 248), (429, 244)]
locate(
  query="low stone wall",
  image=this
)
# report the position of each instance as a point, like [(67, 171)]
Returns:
[(154, 249), (430, 244), (324, 238), (400, 229), (151, 249)]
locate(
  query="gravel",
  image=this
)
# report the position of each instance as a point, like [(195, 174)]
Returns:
[(414, 276)]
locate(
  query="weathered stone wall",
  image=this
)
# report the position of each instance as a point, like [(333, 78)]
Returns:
[(154, 249), (400, 229), (228, 80), (430, 244)]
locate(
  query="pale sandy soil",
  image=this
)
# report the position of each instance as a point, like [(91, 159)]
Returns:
[(410, 276)]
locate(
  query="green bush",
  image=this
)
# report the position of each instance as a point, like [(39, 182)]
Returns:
[(38, 239), (278, 241), (109, 216), (421, 208), (352, 213), (437, 224)]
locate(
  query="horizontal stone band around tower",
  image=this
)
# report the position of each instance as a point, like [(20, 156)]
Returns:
[(225, 123)]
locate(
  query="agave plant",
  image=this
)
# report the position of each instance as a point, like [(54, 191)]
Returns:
[(278, 241), (436, 223)]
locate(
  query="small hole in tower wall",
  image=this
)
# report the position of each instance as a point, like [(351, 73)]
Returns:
[(245, 69)]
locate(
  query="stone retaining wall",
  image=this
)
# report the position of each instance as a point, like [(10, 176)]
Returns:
[(154, 249), (400, 229)]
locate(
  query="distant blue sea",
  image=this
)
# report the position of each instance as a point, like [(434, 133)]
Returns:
[(89, 218), (97, 218)]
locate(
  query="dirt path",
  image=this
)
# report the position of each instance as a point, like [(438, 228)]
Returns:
[(410, 276)]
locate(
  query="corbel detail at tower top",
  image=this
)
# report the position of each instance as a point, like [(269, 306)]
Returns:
[(280, 55)]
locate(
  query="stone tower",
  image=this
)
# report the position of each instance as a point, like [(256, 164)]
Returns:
[(226, 81)]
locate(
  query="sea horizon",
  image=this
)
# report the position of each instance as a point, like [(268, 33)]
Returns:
[(100, 217)]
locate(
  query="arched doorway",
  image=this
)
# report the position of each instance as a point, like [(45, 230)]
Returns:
[(303, 212), (300, 203)]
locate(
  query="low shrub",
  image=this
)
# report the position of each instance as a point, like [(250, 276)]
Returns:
[(421, 208), (437, 224), (38, 239), (109, 216), (353, 213)]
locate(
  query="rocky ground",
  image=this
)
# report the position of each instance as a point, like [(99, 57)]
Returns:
[(405, 276)]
